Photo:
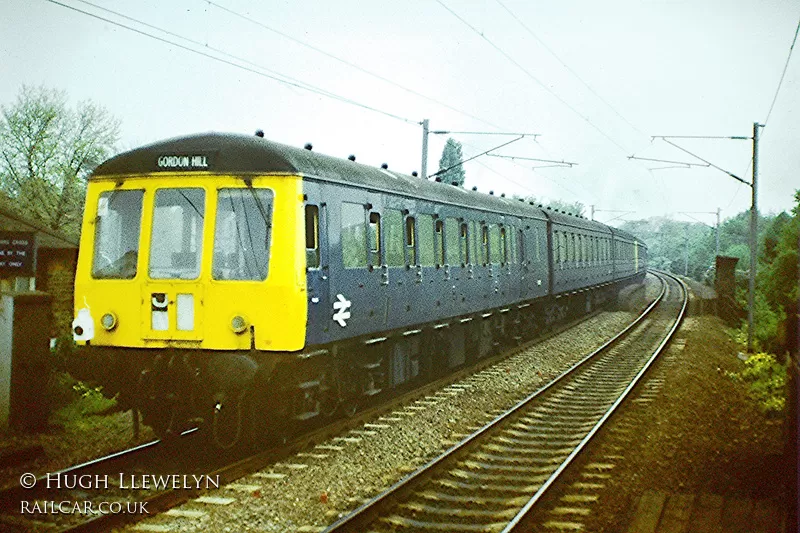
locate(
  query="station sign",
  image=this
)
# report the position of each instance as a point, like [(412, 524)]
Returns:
[(17, 254)]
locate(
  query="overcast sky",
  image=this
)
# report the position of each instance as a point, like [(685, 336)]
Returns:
[(595, 79)]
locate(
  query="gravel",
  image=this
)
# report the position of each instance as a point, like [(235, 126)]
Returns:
[(314, 488)]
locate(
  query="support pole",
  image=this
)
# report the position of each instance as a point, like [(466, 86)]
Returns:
[(751, 296), (424, 168)]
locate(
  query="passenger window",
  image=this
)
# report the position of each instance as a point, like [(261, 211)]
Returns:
[(474, 236), (374, 239), (484, 245), (586, 257), (394, 239), (521, 246), (439, 231), (494, 244), (503, 246), (451, 241), (427, 252), (465, 259), (411, 251), (558, 251), (512, 249), (354, 236), (312, 236), (570, 247)]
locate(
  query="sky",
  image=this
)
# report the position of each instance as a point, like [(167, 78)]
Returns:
[(594, 80)]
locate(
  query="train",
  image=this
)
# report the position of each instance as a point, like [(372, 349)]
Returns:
[(250, 287)]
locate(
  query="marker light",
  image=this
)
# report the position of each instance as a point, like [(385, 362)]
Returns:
[(238, 324), (109, 321)]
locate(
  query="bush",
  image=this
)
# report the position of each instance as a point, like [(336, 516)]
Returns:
[(766, 380), (71, 399), (766, 321)]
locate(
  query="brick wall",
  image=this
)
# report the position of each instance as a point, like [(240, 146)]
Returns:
[(56, 275)]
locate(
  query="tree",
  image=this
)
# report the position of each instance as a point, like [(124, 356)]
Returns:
[(47, 152), (451, 159), (576, 208)]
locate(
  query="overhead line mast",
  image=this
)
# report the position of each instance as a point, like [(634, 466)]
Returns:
[(753, 211)]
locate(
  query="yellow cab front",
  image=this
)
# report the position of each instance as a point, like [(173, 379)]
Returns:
[(192, 260)]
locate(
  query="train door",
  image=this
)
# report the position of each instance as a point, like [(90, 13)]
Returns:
[(315, 212), (359, 288), (398, 228), (173, 292), (523, 250)]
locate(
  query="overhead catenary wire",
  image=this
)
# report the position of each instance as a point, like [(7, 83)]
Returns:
[(783, 74), (570, 70), (350, 63), (300, 85), (771, 107), (531, 76)]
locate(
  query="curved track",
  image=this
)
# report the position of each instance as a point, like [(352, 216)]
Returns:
[(143, 459), (493, 478)]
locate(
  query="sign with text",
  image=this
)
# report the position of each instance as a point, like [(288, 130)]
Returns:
[(17, 254)]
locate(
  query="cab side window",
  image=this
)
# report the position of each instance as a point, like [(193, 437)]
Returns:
[(312, 236)]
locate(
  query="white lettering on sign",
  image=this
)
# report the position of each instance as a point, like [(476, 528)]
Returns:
[(183, 161), (341, 307)]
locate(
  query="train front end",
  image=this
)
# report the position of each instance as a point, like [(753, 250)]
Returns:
[(190, 283)]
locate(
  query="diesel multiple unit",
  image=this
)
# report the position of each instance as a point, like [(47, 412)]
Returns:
[(240, 283)]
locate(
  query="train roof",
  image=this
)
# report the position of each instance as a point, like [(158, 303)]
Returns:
[(244, 154), (252, 155), (563, 219)]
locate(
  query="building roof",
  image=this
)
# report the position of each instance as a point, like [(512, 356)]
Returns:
[(10, 220)]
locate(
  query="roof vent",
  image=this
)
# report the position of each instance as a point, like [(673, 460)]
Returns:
[(439, 179), (474, 187), (491, 192), (385, 166), (260, 133), (540, 205), (521, 199), (503, 195), (309, 146), (414, 174), (548, 208), (351, 157), (454, 183)]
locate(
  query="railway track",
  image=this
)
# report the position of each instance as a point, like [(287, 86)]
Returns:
[(493, 478), (156, 501)]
